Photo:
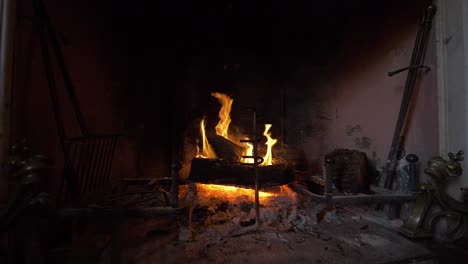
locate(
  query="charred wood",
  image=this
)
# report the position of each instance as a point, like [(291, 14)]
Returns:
[(224, 148), (214, 171)]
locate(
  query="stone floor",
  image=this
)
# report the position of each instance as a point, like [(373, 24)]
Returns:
[(345, 235)]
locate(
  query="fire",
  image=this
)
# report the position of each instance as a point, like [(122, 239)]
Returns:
[(222, 129), (224, 114), (248, 151), (231, 193), (270, 142), (207, 152)]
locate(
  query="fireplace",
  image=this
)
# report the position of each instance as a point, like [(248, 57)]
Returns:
[(319, 80), (198, 84)]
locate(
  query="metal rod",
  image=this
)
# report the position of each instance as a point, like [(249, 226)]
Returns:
[(255, 154), (50, 80), (105, 153), (417, 57), (77, 171), (99, 157), (73, 151), (100, 160), (94, 177), (408, 68), (63, 68), (92, 148), (53, 96), (111, 158), (108, 159)]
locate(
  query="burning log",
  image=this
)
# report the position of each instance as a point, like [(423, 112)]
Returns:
[(214, 171), (224, 148)]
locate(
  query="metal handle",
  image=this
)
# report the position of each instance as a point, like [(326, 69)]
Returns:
[(427, 68)]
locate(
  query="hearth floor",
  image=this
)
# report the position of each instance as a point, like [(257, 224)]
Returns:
[(350, 235)]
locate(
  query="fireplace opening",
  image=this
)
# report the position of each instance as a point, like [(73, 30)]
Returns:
[(233, 131)]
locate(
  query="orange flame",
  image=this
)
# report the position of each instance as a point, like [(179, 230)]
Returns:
[(224, 114), (270, 142), (248, 151), (231, 193), (207, 151)]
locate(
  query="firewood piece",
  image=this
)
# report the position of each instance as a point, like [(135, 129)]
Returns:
[(214, 171), (224, 148)]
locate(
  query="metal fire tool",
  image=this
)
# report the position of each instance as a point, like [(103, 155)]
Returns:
[(256, 161), (413, 69)]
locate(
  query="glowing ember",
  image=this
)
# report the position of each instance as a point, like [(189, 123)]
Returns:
[(270, 142), (231, 193), (234, 194), (248, 151), (224, 114), (207, 152)]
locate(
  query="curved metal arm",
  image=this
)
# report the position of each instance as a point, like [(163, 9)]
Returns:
[(427, 68)]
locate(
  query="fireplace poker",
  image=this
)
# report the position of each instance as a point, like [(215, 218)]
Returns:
[(256, 161), (255, 154), (413, 69)]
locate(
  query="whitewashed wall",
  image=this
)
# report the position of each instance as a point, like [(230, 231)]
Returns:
[(452, 41)]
